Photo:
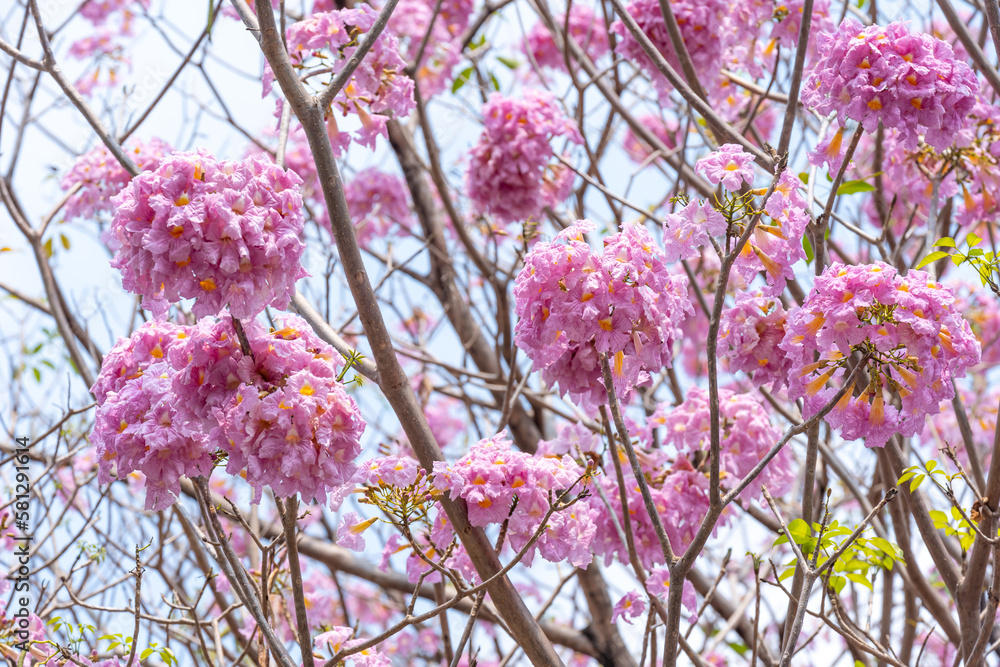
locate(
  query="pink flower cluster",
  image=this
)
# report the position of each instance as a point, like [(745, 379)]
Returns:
[(411, 21), (491, 475), (99, 176), (915, 338), (326, 41), (378, 202), (909, 82), (573, 303), (170, 397), (221, 233), (747, 435), (585, 28), (776, 242), (752, 330), (509, 174), (715, 33), (729, 165), (686, 232)]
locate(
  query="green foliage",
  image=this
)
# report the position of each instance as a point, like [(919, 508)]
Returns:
[(915, 475), (955, 525), (852, 187), (986, 264), (858, 562)]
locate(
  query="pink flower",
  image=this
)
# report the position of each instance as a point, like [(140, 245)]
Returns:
[(411, 20), (629, 607), (491, 476), (685, 233), (350, 534), (509, 173), (909, 327), (729, 165), (326, 41), (585, 28), (573, 303), (909, 82), (752, 329), (99, 177), (221, 233)]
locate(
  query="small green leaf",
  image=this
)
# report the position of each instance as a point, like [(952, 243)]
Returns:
[(860, 579), (145, 654), (945, 241), (804, 177), (916, 482), (64, 240), (905, 477), (509, 62), (38, 375), (972, 240), (462, 79), (931, 465), (493, 80), (933, 257), (48, 248), (852, 187), (786, 574), (807, 246)]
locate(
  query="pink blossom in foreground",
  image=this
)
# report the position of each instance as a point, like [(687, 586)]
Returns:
[(573, 303), (378, 86), (776, 242), (100, 176), (509, 174), (687, 231), (752, 330), (219, 232), (170, 397), (909, 82), (586, 28), (729, 165), (630, 607), (916, 339), (289, 424)]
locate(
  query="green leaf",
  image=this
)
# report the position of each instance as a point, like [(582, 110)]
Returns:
[(509, 62), (64, 240), (945, 241), (837, 584), (462, 79), (804, 177), (798, 528), (957, 260), (496, 84), (905, 477), (807, 246), (145, 654), (852, 187), (38, 375), (931, 465), (48, 248), (933, 257), (972, 240), (860, 579), (917, 481), (786, 574)]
